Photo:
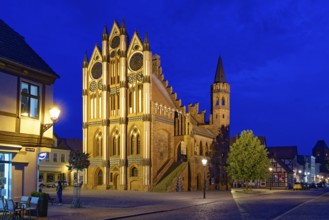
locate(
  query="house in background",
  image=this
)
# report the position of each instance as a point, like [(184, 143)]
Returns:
[(55, 166), (321, 153), (26, 95), (283, 166)]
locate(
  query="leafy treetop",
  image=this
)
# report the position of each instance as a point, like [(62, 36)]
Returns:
[(247, 159), (78, 160)]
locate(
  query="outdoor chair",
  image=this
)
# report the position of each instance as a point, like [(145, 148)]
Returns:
[(12, 210), (2, 207), (32, 206), (23, 203)]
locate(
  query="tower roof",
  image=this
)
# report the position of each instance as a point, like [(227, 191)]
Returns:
[(220, 74)]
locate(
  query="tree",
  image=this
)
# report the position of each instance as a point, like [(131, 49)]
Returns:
[(77, 161), (247, 159)]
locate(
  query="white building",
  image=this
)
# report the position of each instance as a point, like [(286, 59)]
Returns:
[(26, 95)]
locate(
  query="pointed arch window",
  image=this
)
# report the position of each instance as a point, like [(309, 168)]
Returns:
[(132, 144), (134, 172), (135, 142), (138, 144), (115, 142), (100, 178), (207, 150), (114, 146), (217, 101), (98, 144), (118, 145), (131, 101), (223, 101), (200, 149)]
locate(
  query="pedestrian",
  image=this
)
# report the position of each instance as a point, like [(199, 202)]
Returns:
[(59, 190)]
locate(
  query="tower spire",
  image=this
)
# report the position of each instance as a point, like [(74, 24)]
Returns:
[(220, 74), (123, 27), (85, 60), (105, 35), (146, 42)]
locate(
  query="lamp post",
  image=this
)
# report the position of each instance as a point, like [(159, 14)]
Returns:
[(300, 173), (54, 113), (204, 163), (271, 169)]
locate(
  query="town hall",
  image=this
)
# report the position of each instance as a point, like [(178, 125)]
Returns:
[(138, 134)]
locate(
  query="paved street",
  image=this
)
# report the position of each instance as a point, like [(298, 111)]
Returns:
[(260, 204)]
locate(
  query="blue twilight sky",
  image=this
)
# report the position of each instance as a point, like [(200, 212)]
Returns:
[(275, 55)]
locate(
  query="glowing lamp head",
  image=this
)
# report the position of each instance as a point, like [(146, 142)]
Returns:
[(204, 161), (54, 113)]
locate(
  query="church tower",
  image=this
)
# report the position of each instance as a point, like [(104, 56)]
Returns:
[(220, 98), (220, 122)]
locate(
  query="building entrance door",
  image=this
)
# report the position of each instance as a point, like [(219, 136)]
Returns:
[(5, 175)]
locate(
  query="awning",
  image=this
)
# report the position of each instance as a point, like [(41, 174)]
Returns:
[(10, 148)]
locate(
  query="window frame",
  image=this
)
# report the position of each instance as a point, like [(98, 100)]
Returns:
[(31, 98)]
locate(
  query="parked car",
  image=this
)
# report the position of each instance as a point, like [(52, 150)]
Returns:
[(321, 185), (41, 184), (306, 186), (50, 184), (54, 184), (313, 185), (64, 183), (297, 186)]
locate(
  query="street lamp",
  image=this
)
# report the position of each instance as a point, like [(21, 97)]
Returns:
[(271, 169), (54, 113), (204, 163), (300, 175)]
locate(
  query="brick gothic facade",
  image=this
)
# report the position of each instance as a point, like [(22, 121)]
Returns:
[(136, 129)]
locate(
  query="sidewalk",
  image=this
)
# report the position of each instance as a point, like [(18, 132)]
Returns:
[(118, 204)]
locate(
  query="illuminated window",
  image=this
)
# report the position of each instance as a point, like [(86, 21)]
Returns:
[(29, 100)]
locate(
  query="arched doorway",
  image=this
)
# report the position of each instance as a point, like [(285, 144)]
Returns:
[(181, 152), (98, 179), (199, 182), (115, 181)]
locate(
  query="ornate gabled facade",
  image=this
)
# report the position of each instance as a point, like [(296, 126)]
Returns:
[(135, 128)]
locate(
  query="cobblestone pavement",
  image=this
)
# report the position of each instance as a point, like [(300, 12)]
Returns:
[(119, 204)]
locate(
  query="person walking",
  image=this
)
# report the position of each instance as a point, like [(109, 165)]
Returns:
[(59, 190)]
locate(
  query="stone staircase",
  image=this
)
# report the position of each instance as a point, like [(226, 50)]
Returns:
[(168, 181)]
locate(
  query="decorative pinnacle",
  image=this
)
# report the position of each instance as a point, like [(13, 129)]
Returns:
[(85, 60), (123, 30), (105, 34), (146, 42)]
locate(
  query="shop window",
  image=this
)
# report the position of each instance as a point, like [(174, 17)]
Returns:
[(29, 100), (47, 157), (5, 175)]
